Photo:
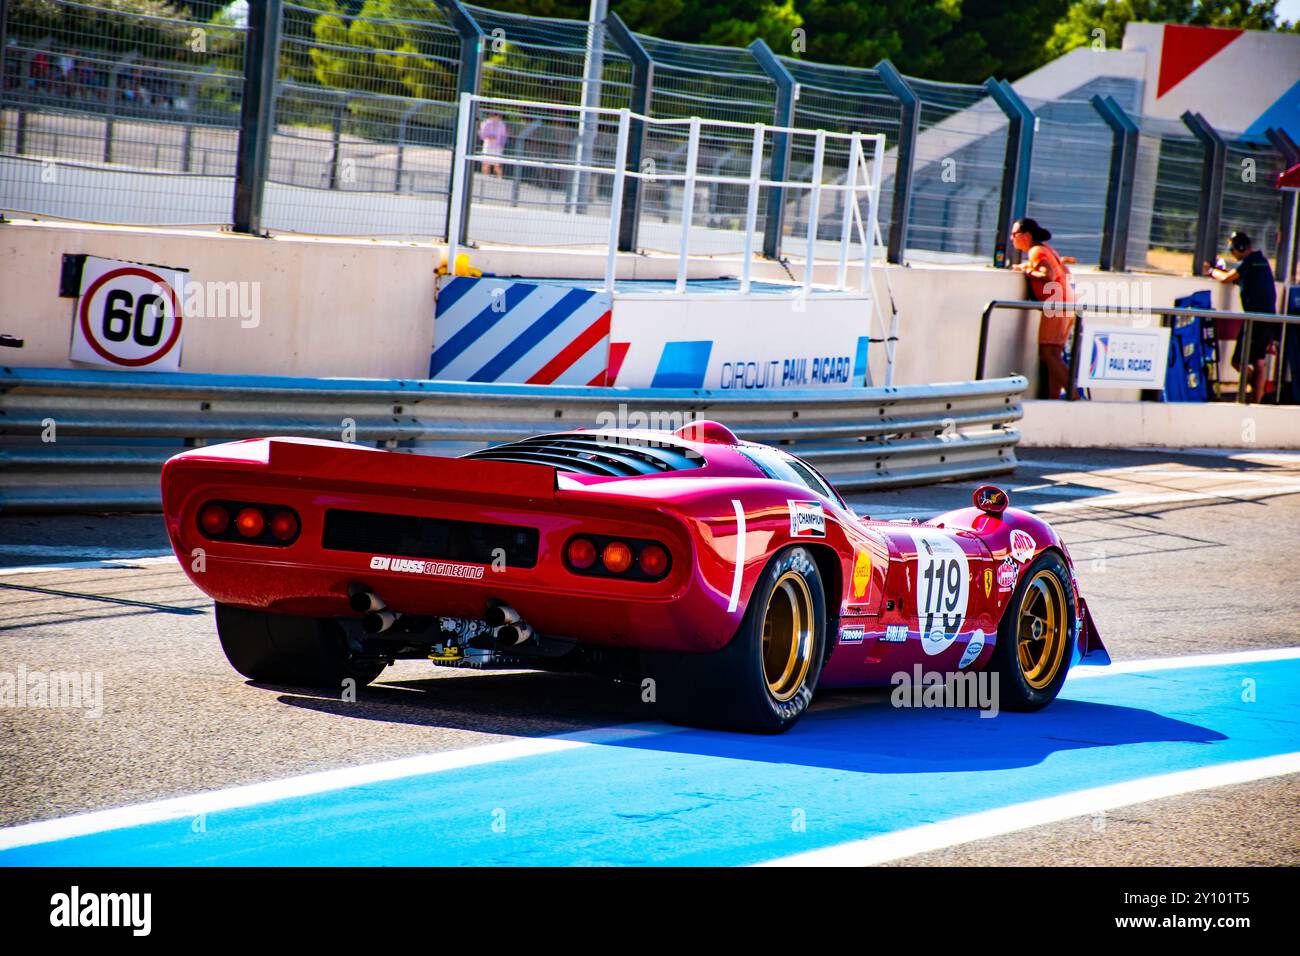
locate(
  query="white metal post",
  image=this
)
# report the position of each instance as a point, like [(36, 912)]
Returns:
[(876, 177), (751, 206), (688, 202), (850, 200), (873, 205), (814, 208), (458, 197), (616, 198)]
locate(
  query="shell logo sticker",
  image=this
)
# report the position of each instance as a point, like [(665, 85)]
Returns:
[(1023, 546), (861, 574)]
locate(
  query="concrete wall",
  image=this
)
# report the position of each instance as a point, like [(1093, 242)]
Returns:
[(1159, 425), (365, 308), (327, 308)]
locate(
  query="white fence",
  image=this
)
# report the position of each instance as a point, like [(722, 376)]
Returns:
[(855, 234)]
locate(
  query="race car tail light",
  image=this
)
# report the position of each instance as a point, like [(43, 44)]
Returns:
[(250, 522), (653, 560), (581, 553), (617, 557), (253, 523), (214, 518), (284, 525), (632, 559)]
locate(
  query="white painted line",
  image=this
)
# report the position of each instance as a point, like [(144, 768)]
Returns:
[(1022, 816), (180, 808), (1233, 454), (1266, 476), (1280, 459), (1108, 500), (1124, 500), (1190, 660), (123, 563), (739, 575)]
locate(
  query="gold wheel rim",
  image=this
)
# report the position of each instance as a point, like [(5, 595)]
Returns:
[(787, 636), (1040, 630)]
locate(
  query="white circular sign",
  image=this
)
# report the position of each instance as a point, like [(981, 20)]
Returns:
[(130, 316)]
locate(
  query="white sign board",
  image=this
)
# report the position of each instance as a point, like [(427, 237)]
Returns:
[(739, 343), (1123, 357), (129, 316)]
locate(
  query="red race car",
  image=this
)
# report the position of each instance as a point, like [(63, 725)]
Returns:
[(728, 577)]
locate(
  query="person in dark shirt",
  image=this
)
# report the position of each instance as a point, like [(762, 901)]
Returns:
[(1254, 278)]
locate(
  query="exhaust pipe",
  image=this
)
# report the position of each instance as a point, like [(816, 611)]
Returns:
[(510, 635), (498, 614), (376, 622), (507, 635), (361, 599)]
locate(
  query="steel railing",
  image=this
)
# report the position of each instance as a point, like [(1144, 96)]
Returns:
[(74, 440), (1248, 320), (862, 180)]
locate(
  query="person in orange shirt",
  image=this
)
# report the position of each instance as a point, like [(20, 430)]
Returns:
[(1049, 279)]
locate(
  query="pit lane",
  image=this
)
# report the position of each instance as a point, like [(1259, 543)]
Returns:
[(1177, 553)]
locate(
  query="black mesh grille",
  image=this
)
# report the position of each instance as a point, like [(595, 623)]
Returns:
[(611, 456), (405, 536)]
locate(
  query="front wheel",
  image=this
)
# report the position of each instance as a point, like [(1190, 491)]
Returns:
[(287, 649), (764, 679), (1036, 637)]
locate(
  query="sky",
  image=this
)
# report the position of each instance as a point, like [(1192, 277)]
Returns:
[(1288, 10)]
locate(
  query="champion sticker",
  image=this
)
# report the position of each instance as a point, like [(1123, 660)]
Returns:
[(438, 569), (854, 634), (973, 648), (895, 633), (807, 519), (1023, 546)]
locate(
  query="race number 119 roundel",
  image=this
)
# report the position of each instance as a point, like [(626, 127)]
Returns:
[(129, 316)]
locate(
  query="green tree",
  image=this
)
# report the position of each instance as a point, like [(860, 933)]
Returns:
[(851, 33), (107, 25), (997, 38)]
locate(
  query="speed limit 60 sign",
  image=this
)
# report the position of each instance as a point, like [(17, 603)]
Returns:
[(129, 316)]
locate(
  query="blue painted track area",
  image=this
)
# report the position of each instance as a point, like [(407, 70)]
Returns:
[(688, 797)]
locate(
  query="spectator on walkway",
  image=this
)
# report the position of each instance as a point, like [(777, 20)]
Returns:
[(1254, 278), (494, 133), (40, 73), (1049, 280)]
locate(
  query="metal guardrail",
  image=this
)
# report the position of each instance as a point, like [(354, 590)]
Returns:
[(74, 440)]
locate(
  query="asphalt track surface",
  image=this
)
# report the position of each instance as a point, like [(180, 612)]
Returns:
[(1185, 752)]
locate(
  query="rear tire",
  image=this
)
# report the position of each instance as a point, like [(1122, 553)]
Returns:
[(764, 679), (1036, 636), (287, 649)]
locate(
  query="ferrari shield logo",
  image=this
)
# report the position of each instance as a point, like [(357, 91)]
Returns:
[(988, 582), (861, 574)]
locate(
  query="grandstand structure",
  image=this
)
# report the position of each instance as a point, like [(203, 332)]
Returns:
[(289, 115)]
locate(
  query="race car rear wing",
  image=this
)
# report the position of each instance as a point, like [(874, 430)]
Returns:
[(328, 464)]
